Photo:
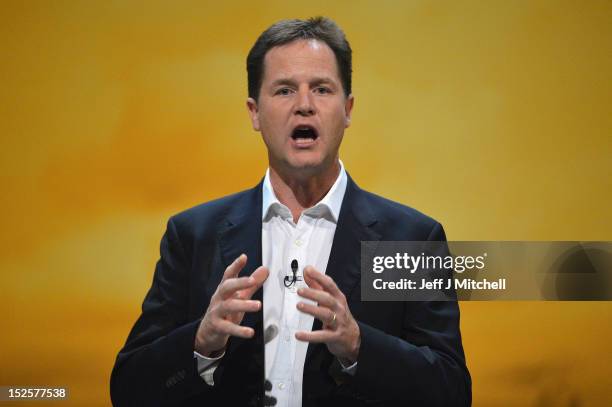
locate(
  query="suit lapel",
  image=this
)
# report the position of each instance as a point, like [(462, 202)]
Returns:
[(242, 234), (344, 265)]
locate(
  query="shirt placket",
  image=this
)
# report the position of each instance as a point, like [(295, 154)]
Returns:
[(283, 381)]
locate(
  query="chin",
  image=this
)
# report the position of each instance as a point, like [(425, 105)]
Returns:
[(308, 166)]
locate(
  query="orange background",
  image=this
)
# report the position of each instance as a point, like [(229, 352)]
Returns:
[(492, 117)]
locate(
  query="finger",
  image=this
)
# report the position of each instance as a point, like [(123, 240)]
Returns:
[(323, 280), (318, 296), (229, 306), (323, 314), (309, 279), (322, 336), (233, 269), (228, 287), (260, 275), (226, 327)]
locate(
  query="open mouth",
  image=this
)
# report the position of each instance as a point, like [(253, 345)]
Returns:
[(304, 133)]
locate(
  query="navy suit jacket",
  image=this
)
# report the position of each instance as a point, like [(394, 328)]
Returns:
[(410, 355)]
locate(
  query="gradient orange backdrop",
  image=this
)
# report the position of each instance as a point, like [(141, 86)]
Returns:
[(494, 117)]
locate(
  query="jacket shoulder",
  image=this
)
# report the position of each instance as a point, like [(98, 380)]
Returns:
[(399, 221), (207, 217)]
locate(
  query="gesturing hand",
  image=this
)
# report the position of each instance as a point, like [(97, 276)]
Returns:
[(227, 307), (340, 330)]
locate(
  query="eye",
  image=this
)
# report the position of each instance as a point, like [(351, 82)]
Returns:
[(283, 91), (322, 90)]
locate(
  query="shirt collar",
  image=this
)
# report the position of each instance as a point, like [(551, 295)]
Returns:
[(329, 205)]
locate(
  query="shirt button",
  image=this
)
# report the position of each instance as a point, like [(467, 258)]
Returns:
[(298, 242), (287, 337), (281, 385)]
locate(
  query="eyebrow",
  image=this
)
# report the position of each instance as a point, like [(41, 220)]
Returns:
[(314, 81)]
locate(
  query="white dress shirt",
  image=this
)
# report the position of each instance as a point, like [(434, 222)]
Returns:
[(309, 242)]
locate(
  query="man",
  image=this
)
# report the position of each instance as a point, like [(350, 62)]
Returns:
[(256, 297)]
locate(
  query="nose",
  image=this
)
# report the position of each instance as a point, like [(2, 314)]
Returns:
[(304, 103)]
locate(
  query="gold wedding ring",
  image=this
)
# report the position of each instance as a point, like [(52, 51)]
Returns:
[(333, 321)]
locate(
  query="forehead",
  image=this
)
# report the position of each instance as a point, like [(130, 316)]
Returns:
[(301, 57)]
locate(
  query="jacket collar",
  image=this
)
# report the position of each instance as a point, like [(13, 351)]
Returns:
[(241, 231)]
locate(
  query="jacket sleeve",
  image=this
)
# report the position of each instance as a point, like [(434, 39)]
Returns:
[(424, 367), (157, 366)]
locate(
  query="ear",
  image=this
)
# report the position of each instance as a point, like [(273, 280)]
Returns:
[(348, 109), (253, 113)]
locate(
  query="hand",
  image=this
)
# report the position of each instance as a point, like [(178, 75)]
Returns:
[(227, 307), (340, 330)]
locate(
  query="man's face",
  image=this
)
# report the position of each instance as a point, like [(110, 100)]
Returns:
[(302, 110)]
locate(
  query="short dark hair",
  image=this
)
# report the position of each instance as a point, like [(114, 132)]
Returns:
[(286, 31)]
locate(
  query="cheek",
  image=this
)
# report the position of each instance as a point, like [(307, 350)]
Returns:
[(337, 120), (272, 118)]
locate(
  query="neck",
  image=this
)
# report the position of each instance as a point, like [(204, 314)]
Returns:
[(298, 193)]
